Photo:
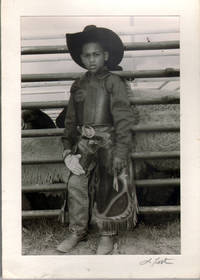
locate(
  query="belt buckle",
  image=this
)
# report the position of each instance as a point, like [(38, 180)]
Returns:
[(88, 131)]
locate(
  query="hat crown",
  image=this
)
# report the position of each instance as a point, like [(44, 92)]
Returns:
[(90, 28)]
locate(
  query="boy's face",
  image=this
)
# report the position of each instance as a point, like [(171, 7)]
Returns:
[(93, 57)]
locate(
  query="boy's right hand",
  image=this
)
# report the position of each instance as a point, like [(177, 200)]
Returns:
[(72, 163)]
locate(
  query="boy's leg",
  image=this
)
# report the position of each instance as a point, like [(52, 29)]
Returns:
[(106, 242), (78, 205)]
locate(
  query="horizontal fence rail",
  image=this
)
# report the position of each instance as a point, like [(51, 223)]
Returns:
[(129, 31), (65, 59), (157, 182), (135, 46), (138, 183), (138, 155), (27, 214), (159, 209), (68, 83), (155, 155), (167, 99), (136, 128), (168, 72), (142, 210), (44, 188)]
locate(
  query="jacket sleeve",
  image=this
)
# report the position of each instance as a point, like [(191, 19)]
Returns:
[(122, 115), (70, 135)]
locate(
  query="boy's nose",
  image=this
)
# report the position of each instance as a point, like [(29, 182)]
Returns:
[(91, 58)]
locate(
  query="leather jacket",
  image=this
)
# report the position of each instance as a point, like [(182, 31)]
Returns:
[(99, 99)]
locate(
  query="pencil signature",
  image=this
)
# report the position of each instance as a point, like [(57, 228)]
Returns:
[(157, 260)]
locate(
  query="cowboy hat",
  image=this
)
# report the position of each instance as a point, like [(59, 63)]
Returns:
[(108, 39)]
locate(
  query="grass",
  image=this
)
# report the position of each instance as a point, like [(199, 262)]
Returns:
[(40, 237)]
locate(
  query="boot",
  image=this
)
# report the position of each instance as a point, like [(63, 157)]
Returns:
[(105, 245), (70, 242)]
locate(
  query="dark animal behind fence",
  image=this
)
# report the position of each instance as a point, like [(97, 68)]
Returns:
[(36, 119)]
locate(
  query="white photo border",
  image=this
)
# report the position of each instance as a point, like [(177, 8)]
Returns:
[(16, 266)]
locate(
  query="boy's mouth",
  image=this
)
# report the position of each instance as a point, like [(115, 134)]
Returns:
[(92, 66)]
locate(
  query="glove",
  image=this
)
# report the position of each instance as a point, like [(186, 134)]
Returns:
[(72, 163), (118, 164)]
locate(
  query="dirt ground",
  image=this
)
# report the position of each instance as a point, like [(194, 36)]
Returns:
[(40, 237)]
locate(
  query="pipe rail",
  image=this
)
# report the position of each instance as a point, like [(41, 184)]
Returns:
[(129, 31), (168, 99), (135, 46), (156, 155), (142, 210), (136, 128), (138, 183), (68, 83), (168, 72), (134, 155)]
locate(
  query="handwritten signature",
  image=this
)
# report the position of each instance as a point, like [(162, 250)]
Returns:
[(157, 260)]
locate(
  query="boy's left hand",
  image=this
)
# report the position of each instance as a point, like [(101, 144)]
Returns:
[(118, 164), (73, 164)]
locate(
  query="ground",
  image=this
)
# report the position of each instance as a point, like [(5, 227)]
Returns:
[(40, 237)]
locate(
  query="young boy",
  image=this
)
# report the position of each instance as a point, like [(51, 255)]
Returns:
[(97, 141)]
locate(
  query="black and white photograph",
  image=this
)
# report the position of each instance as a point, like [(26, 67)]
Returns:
[(100, 140), (100, 135)]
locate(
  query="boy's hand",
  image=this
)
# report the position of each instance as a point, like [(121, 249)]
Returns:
[(118, 164), (72, 163)]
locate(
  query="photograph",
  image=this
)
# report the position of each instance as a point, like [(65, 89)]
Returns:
[(100, 135), (100, 139)]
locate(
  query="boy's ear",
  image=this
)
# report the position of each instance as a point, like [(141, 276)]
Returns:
[(106, 56)]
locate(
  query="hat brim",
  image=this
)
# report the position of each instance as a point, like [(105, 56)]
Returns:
[(109, 40)]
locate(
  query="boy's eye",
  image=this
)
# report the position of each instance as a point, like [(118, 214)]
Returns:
[(89, 55)]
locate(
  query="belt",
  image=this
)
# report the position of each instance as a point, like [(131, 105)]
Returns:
[(100, 136), (89, 131)]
